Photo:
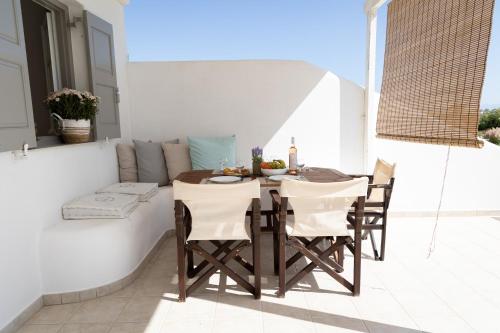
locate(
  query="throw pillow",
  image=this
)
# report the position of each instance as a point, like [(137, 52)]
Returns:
[(127, 163), (151, 165), (177, 159), (208, 153)]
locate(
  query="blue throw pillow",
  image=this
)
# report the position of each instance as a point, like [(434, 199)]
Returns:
[(207, 153)]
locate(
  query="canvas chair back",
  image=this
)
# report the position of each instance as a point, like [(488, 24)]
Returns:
[(218, 210), (381, 176), (320, 209)]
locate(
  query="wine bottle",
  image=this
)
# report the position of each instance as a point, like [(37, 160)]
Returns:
[(292, 158)]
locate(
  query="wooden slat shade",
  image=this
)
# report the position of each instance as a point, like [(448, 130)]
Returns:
[(435, 59)]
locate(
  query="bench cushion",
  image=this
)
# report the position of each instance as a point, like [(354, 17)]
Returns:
[(102, 206), (145, 191)]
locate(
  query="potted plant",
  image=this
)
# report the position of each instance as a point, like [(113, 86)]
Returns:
[(73, 111), (256, 160)]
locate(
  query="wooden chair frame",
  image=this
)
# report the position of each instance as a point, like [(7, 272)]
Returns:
[(229, 249), (308, 248), (372, 218)]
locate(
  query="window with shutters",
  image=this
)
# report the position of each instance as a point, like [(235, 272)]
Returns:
[(36, 59), (47, 46)]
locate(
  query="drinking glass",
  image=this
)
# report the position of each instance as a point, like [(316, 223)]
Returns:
[(222, 163), (301, 165)]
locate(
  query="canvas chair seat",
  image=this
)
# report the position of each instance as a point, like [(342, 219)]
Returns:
[(320, 209), (382, 175), (305, 229), (233, 230), (320, 213), (380, 191), (218, 211)]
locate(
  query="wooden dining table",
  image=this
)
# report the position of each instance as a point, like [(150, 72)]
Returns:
[(317, 175)]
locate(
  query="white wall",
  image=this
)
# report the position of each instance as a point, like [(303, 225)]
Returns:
[(471, 184), (32, 192), (33, 189), (263, 102), (266, 102)]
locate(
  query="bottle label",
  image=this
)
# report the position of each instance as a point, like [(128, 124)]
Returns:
[(292, 163)]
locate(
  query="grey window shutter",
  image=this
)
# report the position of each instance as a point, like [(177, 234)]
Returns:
[(103, 75), (16, 112)]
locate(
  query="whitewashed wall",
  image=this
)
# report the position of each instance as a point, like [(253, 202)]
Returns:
[(33, 189), (472, 180), (263, 102), (32, 192), (266, 102)]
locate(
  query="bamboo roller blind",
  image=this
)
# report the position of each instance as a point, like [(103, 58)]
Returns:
[(435, 59)]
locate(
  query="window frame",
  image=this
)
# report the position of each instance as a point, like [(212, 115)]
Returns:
[(64, 44)]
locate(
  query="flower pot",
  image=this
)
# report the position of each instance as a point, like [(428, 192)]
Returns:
[(72, 130), (256, 168)]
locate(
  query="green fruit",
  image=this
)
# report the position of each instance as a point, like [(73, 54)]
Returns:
[(282, 164)]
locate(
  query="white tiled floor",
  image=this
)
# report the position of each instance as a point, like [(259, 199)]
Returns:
[(456, 290)]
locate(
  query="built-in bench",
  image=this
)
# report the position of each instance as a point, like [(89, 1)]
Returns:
[(83, 259)]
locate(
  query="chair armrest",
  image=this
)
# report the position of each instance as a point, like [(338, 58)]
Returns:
[(386, 186), (275, 196)]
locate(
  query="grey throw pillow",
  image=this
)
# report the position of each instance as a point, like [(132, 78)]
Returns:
[(151, 165)]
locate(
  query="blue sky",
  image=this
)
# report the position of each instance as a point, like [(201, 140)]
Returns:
[(327, 33)]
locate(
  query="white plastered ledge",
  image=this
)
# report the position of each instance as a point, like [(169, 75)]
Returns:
[(84, 254)]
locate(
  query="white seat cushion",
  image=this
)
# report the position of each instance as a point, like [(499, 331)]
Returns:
[(226, 232), (336, 229), (100, 206), (218, 211), (145, 191), (320, 209)]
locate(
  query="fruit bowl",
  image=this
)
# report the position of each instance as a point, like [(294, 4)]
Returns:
[(274, 172)]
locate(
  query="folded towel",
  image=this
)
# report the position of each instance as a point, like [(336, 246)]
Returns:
[(100, 206), (145, 191)]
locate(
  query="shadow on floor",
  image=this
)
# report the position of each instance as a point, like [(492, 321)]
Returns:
[(308, 284)]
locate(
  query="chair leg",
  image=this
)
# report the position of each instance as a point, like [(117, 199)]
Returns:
[(275, 227), (374, 245), (181, 265), (269, 223), (220, 265), (282, 264), (382, 241), (340, 255), (256, 264), (190, 257), (190, 264), (256, 246), (357, 263), (364, 236)]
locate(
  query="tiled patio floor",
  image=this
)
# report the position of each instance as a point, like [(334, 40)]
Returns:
[(456, 290)]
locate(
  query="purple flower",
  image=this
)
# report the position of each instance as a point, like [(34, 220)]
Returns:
[(257, 153)]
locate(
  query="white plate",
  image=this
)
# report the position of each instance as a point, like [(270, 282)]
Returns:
[(278, 178), (225, 179)]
